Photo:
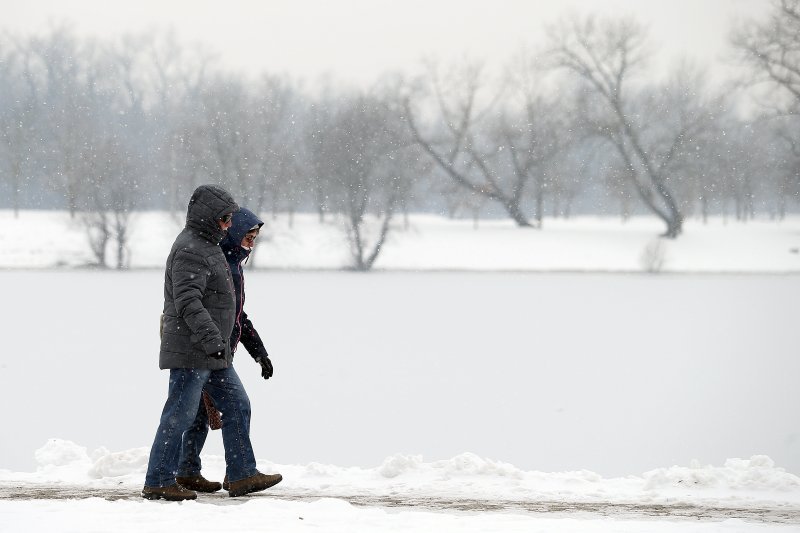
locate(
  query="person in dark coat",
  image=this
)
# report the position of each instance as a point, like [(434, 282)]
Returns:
[(237, 246), (198, 319)]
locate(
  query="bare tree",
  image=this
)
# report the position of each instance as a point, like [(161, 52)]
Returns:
[(173, 76), (458, 200), (771, 51), (369, 166), (106, 127), (321, 148), (230, 155), (18, 109), (565, 175), (533, 133), (723, 168), (110, 198), (274, 134), (459, 143), (98, 232), (788, 179), (618, 187), (294, 163), (97, 170), (110, 161), (356, 169), (529, 136), (60, 59), (605, 54)]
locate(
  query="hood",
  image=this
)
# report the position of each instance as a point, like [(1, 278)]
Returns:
[(208, 204), (243, 221)]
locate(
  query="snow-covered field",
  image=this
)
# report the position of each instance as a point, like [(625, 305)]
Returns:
[(581, 244), (492, 401)]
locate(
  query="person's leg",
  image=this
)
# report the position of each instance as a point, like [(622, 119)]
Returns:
[(229, 396), (192, 444), (180, 409)]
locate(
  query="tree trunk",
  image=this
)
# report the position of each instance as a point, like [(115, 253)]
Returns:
[(381, 239), (704, 208), (539, 201), (120, 254), (515, 212)]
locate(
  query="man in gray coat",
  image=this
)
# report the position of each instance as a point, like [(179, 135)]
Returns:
[(199, 315)]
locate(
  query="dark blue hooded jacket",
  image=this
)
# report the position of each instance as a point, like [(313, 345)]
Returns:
[(243, 221)]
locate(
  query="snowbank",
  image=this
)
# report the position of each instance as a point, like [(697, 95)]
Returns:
[(758, 473), (464, 476)]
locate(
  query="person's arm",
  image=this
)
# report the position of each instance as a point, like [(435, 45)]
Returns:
[(189, 279), (251, 340)]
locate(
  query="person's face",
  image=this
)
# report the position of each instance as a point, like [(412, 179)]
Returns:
[(225, 222), (249, 240)]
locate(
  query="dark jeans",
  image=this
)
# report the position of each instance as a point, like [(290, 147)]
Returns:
[(194, 438), (181, 413)]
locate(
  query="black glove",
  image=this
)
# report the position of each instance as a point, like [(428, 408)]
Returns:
[(266, 366), (217, 355)]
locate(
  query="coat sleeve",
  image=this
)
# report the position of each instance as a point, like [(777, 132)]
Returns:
[(251, 339), (189, 279)]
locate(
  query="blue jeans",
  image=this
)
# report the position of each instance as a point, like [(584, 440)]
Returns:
[(189, 463), (181, 413)]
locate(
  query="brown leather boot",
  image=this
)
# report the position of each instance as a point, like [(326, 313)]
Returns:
[(254, 483), (198, 483), (173, 493)]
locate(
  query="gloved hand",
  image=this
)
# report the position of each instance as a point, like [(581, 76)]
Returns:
[(217, 355), (266, 366)]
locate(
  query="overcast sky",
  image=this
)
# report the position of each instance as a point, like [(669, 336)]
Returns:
[(356, 40)]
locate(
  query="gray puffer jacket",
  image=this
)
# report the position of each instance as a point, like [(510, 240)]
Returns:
[(199, 299)]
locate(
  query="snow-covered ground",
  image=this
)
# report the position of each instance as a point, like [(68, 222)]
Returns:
[(491, 401), (465, 493), (581, 244)]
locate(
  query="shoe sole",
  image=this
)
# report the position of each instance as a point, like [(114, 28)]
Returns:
[(259, 488), (152, 496), (205, 491)]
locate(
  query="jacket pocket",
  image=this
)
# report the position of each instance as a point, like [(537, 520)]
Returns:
[(172, 326)]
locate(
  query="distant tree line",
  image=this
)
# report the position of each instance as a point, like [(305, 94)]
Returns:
[(105, 128)]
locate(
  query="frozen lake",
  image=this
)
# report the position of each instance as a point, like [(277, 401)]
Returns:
[(617, 374)]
